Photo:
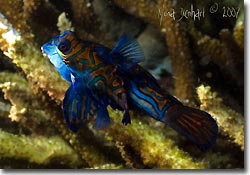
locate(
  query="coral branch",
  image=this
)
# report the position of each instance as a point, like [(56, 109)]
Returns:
[(239, 34), (13, 11), (30, 115), (155, 149), (218, 51), (32, 111), (40, 150), (176, 40), (4, 109), (131, 157), (88, 27), (29, 6), (63, 23), (179, 51), (229, 121), (147, 10), (26, 56)]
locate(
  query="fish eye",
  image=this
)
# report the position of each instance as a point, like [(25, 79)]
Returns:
[(64, 46)]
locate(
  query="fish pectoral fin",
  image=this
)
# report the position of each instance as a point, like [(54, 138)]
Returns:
[(198, 126), (130, 50), (76, 107)]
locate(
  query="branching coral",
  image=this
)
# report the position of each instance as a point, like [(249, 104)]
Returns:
[(181, 60), (12, 10), (153, 12), (40, 150), (4, 109), (24, 55), (155, 150), (27, 56), (239, 34), (33, 115), (223, 52), (84, 8), (88, 27), (29, 6), (229, 121), (64, 23)]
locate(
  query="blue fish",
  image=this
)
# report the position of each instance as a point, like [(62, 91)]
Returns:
[(100, 76)]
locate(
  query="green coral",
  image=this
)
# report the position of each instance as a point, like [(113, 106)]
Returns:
[(17, 91), (155, 149), (37, 69), (229, 121), (239, 34), (176, 38), (40, 150), (35, 115)]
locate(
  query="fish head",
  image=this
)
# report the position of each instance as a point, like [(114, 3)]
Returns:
[(56, 49), (59, 47)]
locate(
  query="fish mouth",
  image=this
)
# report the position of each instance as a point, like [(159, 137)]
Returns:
[(44, 53), (48, 49), (48, 55), (44, 49)]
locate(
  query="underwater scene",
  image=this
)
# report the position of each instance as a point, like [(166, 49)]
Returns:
[(121, 84)]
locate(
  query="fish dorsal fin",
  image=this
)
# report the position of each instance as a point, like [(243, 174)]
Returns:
[(130, 50)]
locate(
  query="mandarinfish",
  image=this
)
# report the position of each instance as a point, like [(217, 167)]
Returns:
[(100, 76)]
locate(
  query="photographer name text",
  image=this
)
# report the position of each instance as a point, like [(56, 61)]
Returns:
[(198, 13)]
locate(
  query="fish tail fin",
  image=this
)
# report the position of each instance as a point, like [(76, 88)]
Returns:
[(198, 126)]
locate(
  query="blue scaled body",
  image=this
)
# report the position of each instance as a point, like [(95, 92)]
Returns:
[(100, 76)]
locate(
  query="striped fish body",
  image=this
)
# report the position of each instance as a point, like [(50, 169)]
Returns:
[(84, 62), (145, 93)]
